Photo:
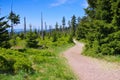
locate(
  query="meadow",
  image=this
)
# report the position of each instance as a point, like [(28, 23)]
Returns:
[(42, 63)]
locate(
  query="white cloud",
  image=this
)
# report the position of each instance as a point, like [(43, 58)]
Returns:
[(58, 3)]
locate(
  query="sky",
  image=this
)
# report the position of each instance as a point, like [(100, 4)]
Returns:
[(52, 10)]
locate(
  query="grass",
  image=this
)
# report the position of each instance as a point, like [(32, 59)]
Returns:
[(112, 58), (91, 52), (62, 48), (47, 65), (109, 58)]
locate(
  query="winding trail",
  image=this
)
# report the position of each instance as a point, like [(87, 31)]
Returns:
[(87, 68)]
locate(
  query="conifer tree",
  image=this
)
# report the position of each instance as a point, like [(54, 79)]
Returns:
[(31, 39), (73, 25), (15, 19), (4, 36), (101, 26), (56, 26)]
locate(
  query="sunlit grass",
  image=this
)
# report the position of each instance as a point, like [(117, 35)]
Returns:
[(47, 65)]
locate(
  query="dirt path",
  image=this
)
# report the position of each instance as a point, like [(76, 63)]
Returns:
[(89, 68)]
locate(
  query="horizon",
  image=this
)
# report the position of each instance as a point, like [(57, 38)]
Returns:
[(53, 11)]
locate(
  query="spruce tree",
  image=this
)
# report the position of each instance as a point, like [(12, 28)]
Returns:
[(56, 27), (15, 19), (101, 27), (4, 36), (73, 25), (31, 40)]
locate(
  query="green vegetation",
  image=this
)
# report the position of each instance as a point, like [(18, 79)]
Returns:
[(37, 64), (15, 19), (101, 29), (28, 56), (35, 54), (4, 37)]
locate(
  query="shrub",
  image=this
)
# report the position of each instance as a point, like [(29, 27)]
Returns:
[(31, 40), (23, 64), (106, 50), (3, 64), (14, 61), (54, 37)]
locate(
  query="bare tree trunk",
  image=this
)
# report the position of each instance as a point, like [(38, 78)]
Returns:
[(24, 27), (42, 27), (45, 26)]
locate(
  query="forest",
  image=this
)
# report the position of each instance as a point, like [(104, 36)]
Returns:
[(35, 54), (101, 28)]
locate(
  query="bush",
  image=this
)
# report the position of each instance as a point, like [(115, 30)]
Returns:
[(14, 61), (31, 40), (3, 64), (23, 64), (54, 37), (106, 50)]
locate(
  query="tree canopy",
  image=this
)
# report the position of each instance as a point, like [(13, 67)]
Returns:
[(100, 25)]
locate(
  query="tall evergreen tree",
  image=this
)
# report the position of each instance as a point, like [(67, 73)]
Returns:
[(60, 29), (103, 10), (78, 20), (73, 25), (116, 12), (4, 36), (90, 10), (56, 27), (15, 19), (69, 26), (101, 26)]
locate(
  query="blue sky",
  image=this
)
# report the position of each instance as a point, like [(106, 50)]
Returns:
[(53, 10)]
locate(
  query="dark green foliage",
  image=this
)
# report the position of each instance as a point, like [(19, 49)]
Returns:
[(31, 40), (22, 36), (73, 25), (70, 39), (116, 12), (14, 61), (101, 27), (4, 36), (112, 42), (15, 19), (56, 27), (34, 63), (54, 36), (82, 29), (4, 66)]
